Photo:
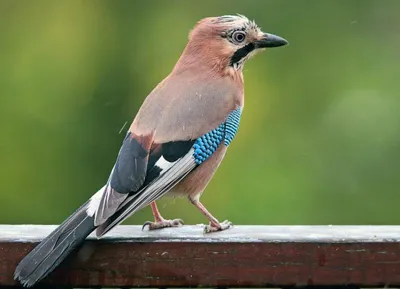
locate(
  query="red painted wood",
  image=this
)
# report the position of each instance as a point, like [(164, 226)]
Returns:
[(252, 262)]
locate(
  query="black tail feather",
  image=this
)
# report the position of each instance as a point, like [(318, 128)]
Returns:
[(55, 248)]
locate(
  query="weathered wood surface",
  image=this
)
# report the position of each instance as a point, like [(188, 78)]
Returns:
[(245, 256)]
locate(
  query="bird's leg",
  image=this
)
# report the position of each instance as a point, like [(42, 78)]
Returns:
[(159, 221), (214, 225)]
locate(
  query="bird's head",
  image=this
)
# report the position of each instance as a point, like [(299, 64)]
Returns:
[(226, 42)]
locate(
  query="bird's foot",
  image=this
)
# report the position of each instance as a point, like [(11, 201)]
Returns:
[(162, 224), (215, 227)]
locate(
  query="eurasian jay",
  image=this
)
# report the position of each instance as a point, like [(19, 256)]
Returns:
[(174, 145)]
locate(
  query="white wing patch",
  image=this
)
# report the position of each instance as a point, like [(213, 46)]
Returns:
[(164, 164)]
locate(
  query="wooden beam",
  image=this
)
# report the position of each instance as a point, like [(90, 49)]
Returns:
[(245, 256)]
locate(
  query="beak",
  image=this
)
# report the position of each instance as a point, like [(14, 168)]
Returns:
[(270, 40)]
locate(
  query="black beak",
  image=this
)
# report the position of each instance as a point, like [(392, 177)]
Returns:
[(270, 40)]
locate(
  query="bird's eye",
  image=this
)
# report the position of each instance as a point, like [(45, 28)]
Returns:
[(238, 36)]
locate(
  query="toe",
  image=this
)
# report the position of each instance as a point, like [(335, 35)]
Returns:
[(162, 224), (220, 227), (226, 224)]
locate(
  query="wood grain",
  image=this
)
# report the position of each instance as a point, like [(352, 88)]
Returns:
[(245, 256)]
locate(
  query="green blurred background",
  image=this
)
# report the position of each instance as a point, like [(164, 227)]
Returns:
[(319, 141)]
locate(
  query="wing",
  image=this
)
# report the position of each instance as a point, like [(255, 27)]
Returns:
[(168, 164), (172, 162), (127, 175)]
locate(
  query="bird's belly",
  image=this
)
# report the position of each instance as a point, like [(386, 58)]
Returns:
[(194, 183)]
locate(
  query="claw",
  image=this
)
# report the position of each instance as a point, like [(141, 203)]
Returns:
[(178, 222), (147, 223), (163, 224), (217, 227)]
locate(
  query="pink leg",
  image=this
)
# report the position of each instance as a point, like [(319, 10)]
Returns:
[(159, 221), (156, 212), (214, 225)]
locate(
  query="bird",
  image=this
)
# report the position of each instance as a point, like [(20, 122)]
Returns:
[(174, 145)]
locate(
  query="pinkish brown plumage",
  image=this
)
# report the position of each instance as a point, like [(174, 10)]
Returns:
[(175, 143)]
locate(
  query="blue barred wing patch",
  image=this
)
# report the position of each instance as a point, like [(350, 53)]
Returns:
[(232, 125), (207, 144)]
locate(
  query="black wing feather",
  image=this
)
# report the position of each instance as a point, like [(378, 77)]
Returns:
[(130, 167)]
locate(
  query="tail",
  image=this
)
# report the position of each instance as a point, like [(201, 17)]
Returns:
[(55, 247)]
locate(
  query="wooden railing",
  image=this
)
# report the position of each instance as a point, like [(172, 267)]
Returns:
[(244, 256)]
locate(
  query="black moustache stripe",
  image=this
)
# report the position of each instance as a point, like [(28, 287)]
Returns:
[(242, 52)]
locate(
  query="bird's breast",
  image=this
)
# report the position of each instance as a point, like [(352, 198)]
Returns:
[(187, 106)]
